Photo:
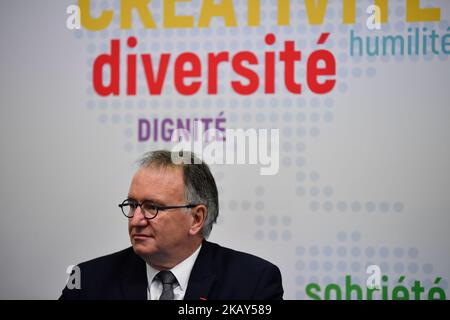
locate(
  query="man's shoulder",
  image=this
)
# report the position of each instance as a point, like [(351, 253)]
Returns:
[(111, 260), (102, 277), (224, 255), (239, 275)]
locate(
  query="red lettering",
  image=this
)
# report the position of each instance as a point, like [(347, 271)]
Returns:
[(113, 60), (269, 77), (213, 61), (155, 86), (181, 73), (131, 68), (314, 71), (187, 70), (290, 56), (250, 75)]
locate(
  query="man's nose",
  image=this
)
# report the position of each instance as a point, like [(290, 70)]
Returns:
[(138, 218)]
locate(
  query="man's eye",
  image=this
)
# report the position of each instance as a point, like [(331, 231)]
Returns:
[(133, 205), (149, 207)]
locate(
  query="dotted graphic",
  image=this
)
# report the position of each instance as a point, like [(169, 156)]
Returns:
[(348, 255)]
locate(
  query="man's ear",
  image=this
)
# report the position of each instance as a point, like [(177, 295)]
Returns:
[(199, 214)]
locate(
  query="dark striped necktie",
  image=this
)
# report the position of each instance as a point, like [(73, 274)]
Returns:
[(168, 280)]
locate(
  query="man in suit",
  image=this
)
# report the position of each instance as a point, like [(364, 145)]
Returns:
[(171, 207)]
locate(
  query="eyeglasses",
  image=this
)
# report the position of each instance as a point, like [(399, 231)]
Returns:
[(148, 208)]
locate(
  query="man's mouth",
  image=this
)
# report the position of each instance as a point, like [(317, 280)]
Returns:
[(140, 236)]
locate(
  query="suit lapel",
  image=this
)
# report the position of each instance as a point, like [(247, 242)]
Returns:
[(202, 275)]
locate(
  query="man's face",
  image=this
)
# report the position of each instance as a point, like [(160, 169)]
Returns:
[(165, 235)]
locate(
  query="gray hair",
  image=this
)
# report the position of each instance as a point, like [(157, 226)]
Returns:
[(199, 184)]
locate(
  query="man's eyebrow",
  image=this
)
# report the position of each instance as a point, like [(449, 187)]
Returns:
[(154, 201)]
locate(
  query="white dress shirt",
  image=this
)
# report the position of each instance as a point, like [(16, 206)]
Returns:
[(181, 271)]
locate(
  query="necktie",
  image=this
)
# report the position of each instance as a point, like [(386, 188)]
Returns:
[(168, 279)]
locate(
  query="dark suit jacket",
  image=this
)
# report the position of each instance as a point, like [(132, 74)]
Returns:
[(219, 273)]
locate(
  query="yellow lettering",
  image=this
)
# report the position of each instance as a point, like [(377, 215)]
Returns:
[(349, 12), (283, 12), (126, 13), (414, 13), (171, 20), (94, 24), (384, 10), (316, 13), (253, 12), (223, 9)]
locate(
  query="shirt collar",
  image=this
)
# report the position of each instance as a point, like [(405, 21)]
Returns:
[(181, 271)]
